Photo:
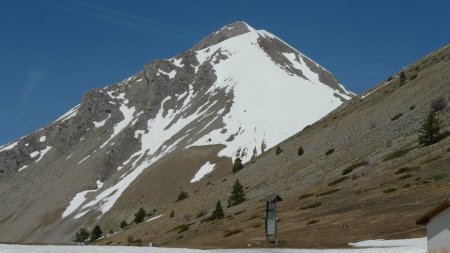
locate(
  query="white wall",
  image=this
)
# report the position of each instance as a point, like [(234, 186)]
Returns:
[(438, 233)]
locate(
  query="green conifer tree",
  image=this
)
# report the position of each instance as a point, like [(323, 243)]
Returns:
[(237, 166), (218, 212), (96, 233), (182, 195), (123, 224), (139, 215), (82, 235), (237, 194), (430, 131)]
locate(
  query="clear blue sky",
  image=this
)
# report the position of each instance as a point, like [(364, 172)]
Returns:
[(53, 51)]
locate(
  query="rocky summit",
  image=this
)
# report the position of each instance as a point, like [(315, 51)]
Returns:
[(175, 126)]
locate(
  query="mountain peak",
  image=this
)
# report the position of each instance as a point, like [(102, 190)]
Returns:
[(228, 31)]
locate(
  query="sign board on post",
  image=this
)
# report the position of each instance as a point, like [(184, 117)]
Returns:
[(271, 219)]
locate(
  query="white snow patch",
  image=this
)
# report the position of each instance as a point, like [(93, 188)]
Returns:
[(177, 62), (8, 146), (128, 117), (84, 159), (154, 218), (101, 123), (151, 147), (171, 74), (71, 113), (22, 168), (205, 169), (42, 153), (248, 69), (70, 156), (34, 154), (393, 246), (42, 138), (78, 199)]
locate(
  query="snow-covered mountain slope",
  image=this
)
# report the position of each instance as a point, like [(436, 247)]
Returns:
[(239, 91)]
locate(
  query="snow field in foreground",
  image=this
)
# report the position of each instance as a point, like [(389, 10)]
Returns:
[(417, 245)]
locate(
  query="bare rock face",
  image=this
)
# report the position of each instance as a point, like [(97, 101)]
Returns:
[(236, 93), (226, 32)]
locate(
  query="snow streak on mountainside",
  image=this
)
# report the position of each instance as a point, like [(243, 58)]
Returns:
[(241, 88), (268, 104)]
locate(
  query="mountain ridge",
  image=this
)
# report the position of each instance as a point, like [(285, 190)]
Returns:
[(201, 101)]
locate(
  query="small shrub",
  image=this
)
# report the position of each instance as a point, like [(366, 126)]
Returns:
[(300, 151), (405, 176), (437, 177), (412, 107), (228, 233), (253, 217), (350, 168), (396, 116), (413, 77), (237, 213), (305, 196), (438, 104), (172, 214), (181, 228), (406, 169), (256, 225), (314, 205), (278, 150), (313, 221), (201, 214), (397, 154), (339, 180), (329, 151), (389, 190), (431, 159), (402, 78), (182, 195), (328, 192), (123, 224), (406, 186)]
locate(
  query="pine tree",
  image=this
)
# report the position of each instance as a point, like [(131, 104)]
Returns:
[(123, 224), (237, 166), (300, 151), (96, 233), (218, 212), (139, 215), (430, 131), (278, 150), (182, 195), (237, 194), (82, 235)]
